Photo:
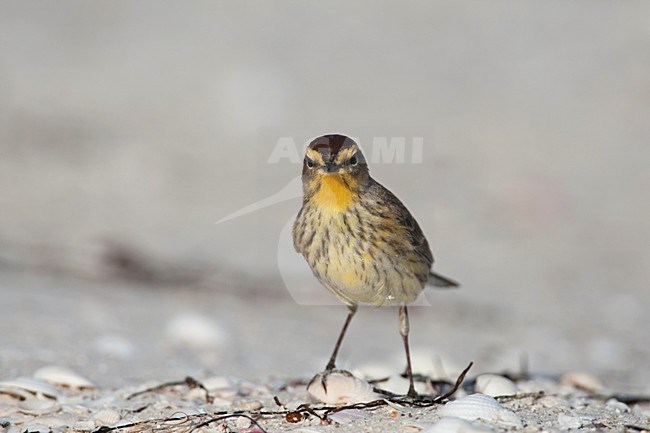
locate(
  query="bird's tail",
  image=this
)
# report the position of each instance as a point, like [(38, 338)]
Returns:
[(441, 281)]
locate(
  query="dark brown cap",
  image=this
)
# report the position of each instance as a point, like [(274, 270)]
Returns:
[(329, 145)]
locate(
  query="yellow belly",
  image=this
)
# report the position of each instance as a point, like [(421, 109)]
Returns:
[(361, 272)]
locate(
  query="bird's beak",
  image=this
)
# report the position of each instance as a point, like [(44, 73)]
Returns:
[(330, 167)]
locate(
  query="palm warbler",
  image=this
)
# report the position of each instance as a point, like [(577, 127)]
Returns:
[(360, 241)]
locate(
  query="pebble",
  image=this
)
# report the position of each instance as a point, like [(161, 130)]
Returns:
[(618, 406), (553, 401), (568, 422), (243, 422)]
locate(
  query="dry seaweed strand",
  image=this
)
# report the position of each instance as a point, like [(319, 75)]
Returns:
[(224, 417), (189, 381), (321, 412)]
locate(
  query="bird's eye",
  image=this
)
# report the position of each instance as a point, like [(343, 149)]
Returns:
[(310, 163), (353, 161)]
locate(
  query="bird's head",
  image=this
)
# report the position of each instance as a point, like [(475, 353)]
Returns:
[(334, 154), (334, 164)]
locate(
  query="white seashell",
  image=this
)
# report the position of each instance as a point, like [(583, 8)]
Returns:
[(435, 365), (221, 386), (495, 385), (568, 422), (38, 406), (197, 331), (480, 406), (538, 385), (340, 387), (15, 386), (583, 381), (348, 416), (106, 417), (64, 377), (400, 385), (455, 425)]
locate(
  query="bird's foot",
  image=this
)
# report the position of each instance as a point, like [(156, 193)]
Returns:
[(413, 397), (323, 376)]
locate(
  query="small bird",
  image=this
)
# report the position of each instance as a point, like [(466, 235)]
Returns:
[(360, 241)]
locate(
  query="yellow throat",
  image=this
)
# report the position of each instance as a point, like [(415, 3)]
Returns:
[(333, 192)]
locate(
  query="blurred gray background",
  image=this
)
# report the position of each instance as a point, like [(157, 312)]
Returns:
[(128, 128)]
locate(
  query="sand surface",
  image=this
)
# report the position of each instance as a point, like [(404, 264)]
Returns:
[(247, 349)]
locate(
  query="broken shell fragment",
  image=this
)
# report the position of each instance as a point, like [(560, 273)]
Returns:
[(63, 377), (340, 387), (481, 406), (348, 416), (38, 406)]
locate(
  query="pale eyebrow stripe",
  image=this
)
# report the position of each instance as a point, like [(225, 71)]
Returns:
[(345, 154), (315, 156)]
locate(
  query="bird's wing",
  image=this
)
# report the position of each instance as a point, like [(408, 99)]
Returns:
[(415, 237)]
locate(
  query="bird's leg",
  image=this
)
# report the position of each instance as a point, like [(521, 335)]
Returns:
[(331, 365), (404, 331)]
